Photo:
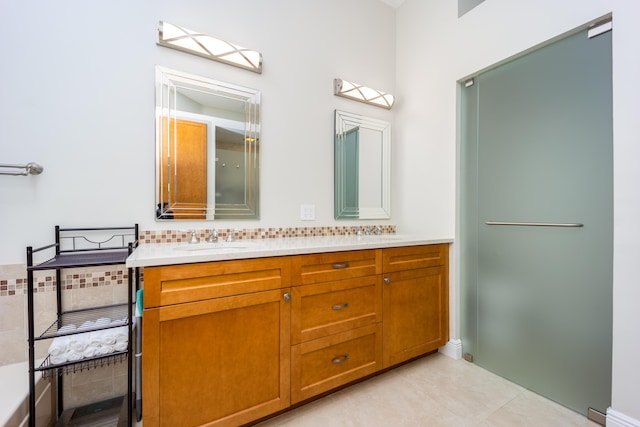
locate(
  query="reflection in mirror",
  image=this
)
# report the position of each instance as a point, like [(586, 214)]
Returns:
[(362, 167), (207, 139)]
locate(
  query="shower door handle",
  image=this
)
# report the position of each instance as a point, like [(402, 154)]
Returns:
[(535, 224)]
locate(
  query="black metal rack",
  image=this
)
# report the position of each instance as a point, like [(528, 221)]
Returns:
[(74, 248)]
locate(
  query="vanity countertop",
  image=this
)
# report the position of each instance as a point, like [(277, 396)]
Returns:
[(156, 254)]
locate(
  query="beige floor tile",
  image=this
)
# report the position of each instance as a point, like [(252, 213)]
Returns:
[(531, 410), (434, 391)]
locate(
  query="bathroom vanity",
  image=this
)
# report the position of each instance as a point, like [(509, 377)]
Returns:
[(238, 332)]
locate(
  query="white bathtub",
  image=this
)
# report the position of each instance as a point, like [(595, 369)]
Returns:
[(14, 397)]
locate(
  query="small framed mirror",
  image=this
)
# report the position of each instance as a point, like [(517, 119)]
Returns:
[(362, 167), (207, 148)]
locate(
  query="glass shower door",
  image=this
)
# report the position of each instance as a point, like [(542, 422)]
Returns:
[(540, 214)]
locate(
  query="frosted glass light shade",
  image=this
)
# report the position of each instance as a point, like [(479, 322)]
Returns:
[(363, 94), (183, 39)]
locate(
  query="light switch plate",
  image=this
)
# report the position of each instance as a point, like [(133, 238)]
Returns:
[(307, 212)]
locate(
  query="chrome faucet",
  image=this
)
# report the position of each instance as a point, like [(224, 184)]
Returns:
[(230, 235), (213, 237), (194, 237)]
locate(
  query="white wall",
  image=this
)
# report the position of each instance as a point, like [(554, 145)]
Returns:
[(78, 97), (435, 49)]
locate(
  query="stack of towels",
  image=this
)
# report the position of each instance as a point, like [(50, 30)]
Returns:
[(82, 345)]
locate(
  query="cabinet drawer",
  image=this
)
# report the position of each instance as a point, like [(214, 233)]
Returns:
[(316, 268), (327, 308), (412, 257), (177, 284), (323, 364)]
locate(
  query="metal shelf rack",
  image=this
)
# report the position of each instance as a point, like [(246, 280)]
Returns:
[(75, 248)]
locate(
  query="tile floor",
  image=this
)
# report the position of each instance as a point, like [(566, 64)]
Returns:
[(433, 391)]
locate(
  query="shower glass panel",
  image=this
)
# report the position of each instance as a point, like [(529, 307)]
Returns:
[(538, 221)]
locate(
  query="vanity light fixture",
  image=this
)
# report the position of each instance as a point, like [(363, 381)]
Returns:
[(180, 38), (362, 93)]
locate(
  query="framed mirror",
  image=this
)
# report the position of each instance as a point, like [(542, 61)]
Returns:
[(362, 167), (207, 148)]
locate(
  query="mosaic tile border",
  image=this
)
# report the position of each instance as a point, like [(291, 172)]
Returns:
[(15, 282), (177, 236), (79, 279)]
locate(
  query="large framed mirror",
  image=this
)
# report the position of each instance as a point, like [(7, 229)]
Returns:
[(362, 167), (207, 148)]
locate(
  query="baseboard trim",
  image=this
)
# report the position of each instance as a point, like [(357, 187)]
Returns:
[(452, 349), (618, 419)]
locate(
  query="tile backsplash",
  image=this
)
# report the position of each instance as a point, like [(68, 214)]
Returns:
[(176, 236)]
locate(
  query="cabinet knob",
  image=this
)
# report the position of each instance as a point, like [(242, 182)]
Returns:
[(287, 297), (387, 280)]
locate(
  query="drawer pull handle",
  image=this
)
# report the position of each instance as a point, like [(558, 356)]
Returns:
[(340, 307), (340, 265), (340, 359)]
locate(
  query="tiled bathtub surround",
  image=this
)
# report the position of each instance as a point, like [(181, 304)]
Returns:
[(83, 288)]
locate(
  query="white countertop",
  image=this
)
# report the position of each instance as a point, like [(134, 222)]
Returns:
[(155, 254)]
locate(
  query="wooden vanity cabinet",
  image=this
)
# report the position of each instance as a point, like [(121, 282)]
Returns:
[(216, 357), (336, 317), (226, 343), (415, 301)]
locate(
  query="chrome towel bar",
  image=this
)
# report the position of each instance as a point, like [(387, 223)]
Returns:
[(29, 169), (535, 224)]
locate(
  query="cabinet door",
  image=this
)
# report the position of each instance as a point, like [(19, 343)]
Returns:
[(415, 306), (220, 362)]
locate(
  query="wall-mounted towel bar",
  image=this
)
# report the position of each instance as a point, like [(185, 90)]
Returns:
[(28, 169)]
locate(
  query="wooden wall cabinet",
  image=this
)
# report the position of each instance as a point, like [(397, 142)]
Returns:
[(226, 343)]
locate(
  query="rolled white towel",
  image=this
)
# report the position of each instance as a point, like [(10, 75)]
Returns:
[(121, 334), (78, 342), (95, 338), (121, 346), (119, 322), (87, 325), (67, 328), (105, 349), (58, 346), (74, 356), (58, 359), (107, 337), (90, 351), (103, 321)]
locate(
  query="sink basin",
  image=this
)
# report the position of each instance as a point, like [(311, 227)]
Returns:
[(213, 247)]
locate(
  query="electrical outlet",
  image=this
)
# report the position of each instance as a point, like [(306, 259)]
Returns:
[(308, 212)]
